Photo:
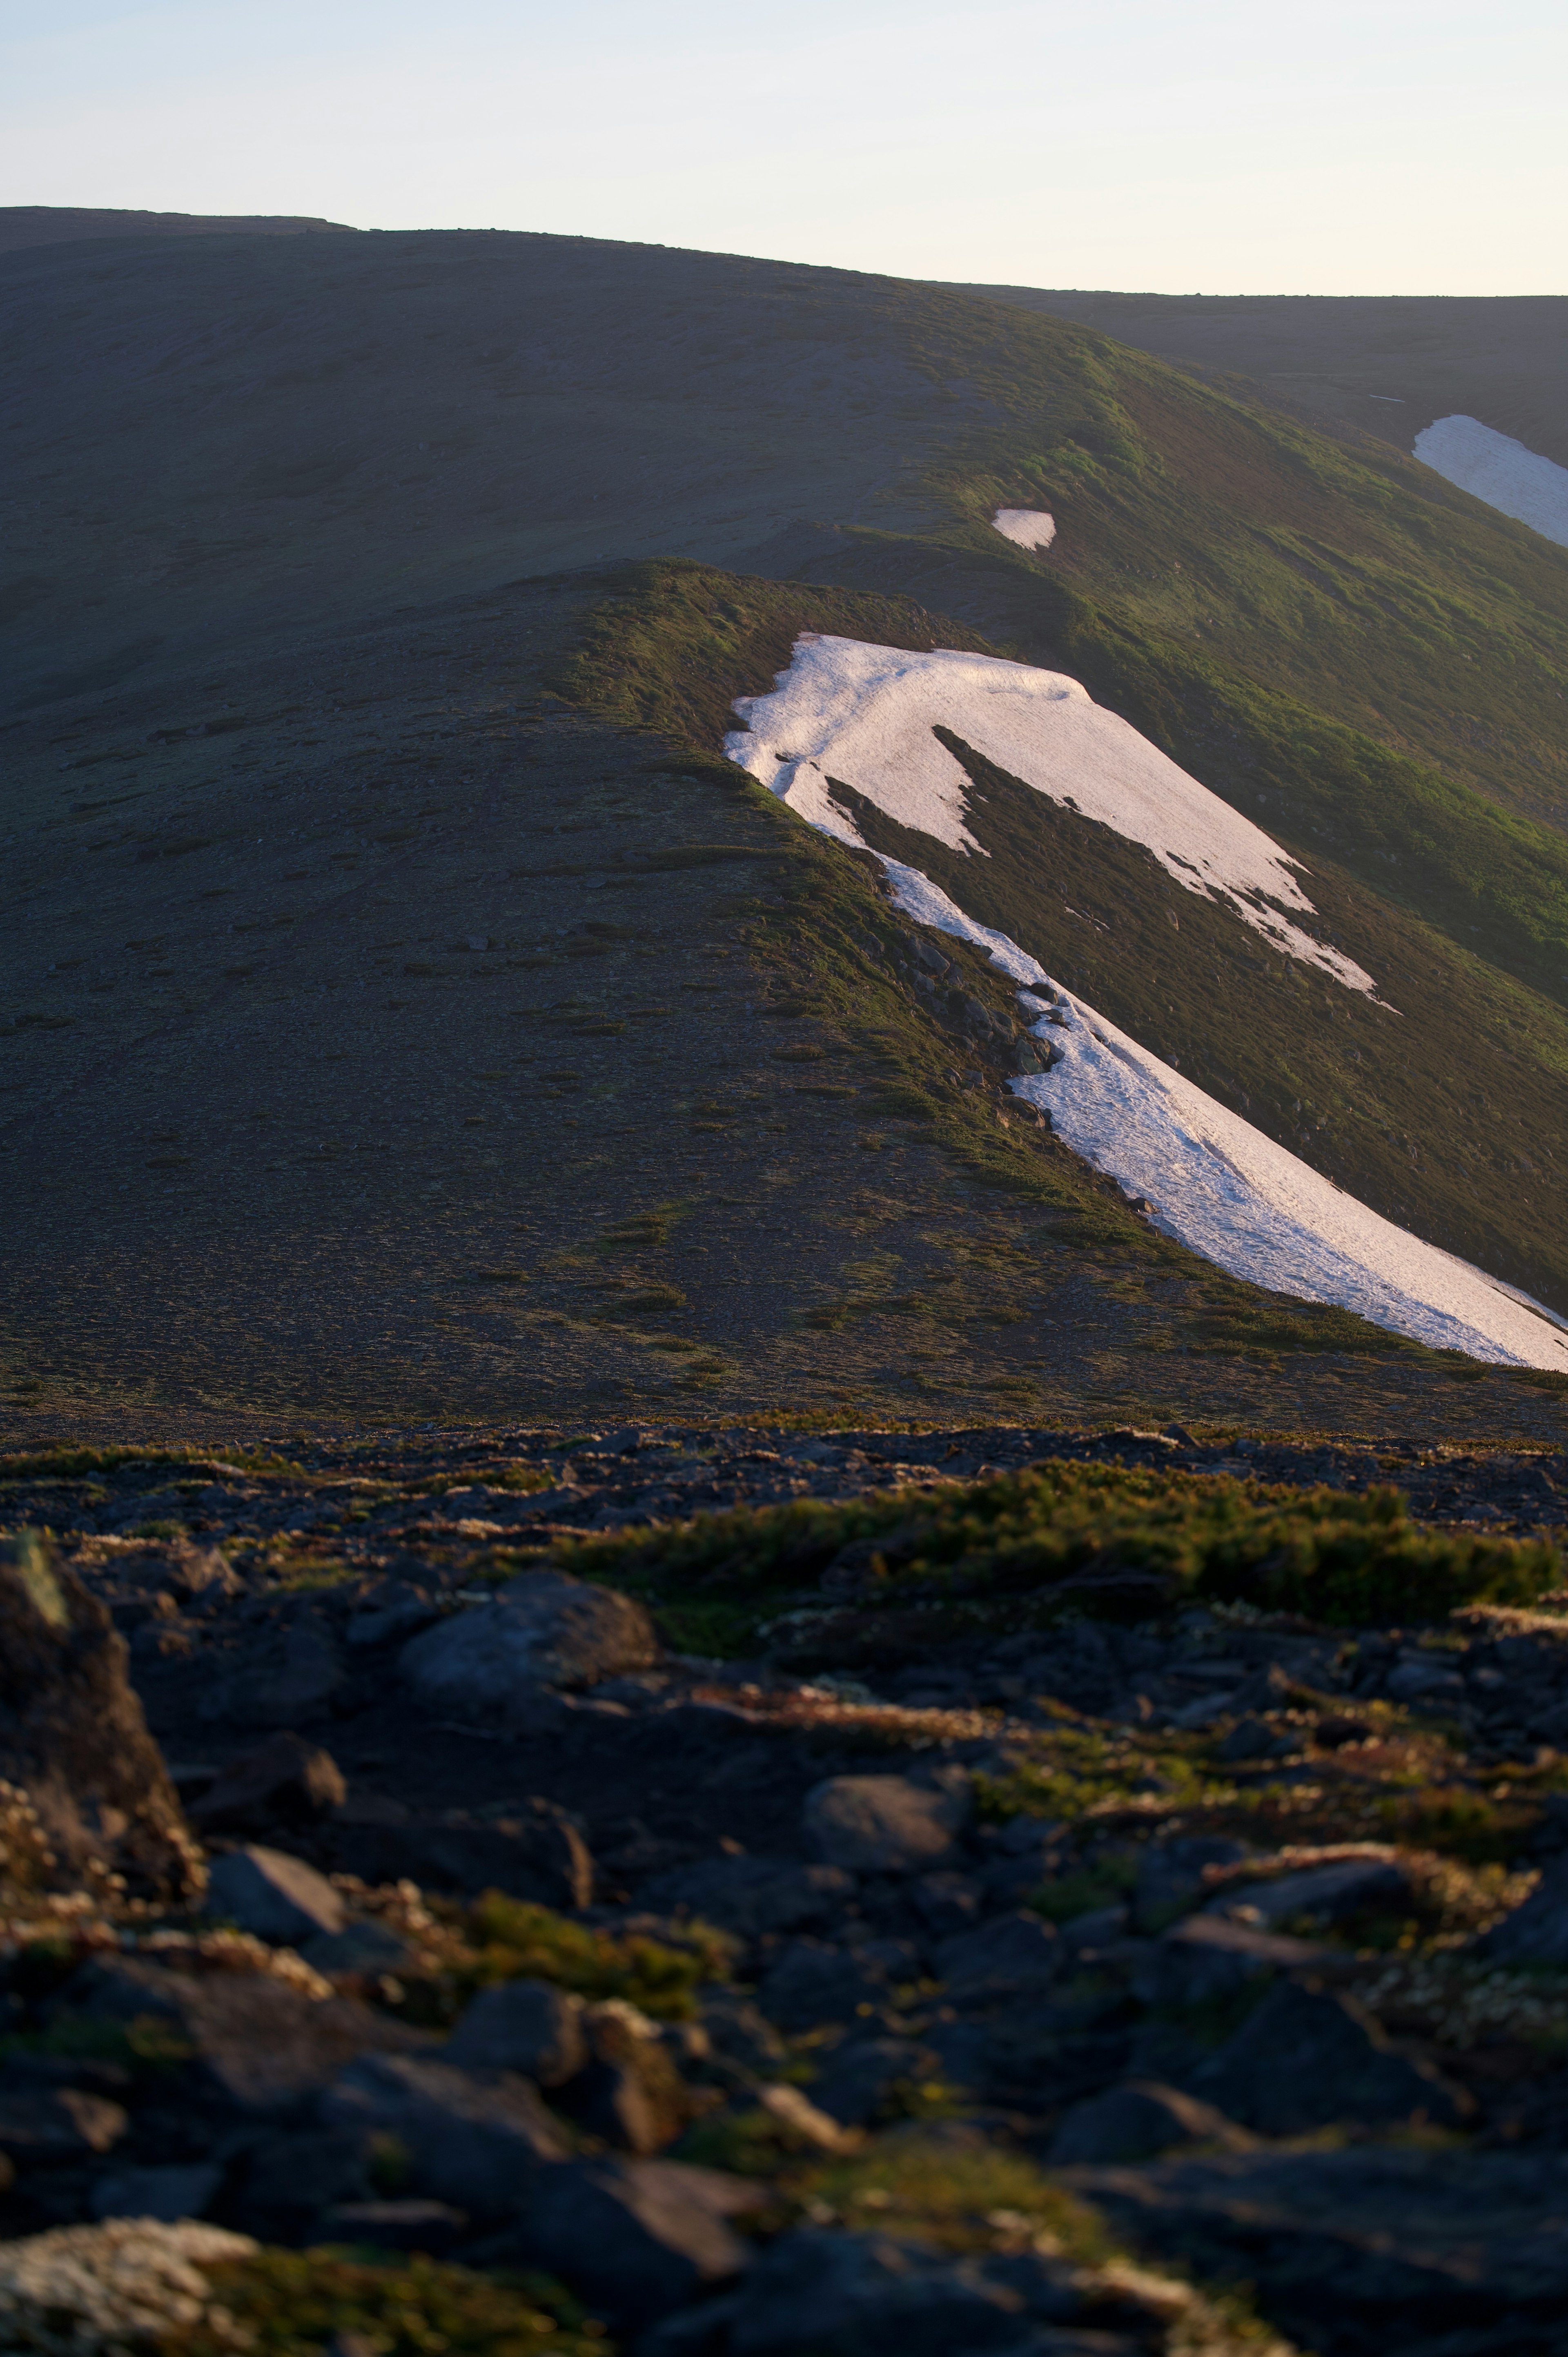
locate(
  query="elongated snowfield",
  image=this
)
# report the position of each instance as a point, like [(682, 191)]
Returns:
[(1495, 468), (1029, 527), (1218, 1185), (864, 714)]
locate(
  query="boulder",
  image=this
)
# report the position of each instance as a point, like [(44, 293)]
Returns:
[(630, 2097), (277, 1897), (1536, 1932), (285, 2186), (363, 1946), (257, 2045), (543, 1634), (886, 1824), (1308, 2058), (754, 1896), (637, 2238), (537, 1853), (1322, 1894), (167, 2191), (430, 2228), (286, 1782), (1014, 1955), (44, 2126), (1139, 2122), (811, 1982), (861, 2079), (1372, 2247), (1208, 1958), (478, 2143), (290, 1679), (865, 2295), (529, 2027), (73, 1736)]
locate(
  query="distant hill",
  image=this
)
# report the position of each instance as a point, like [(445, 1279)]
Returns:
[(1386, 364), (406, 1009), (29, 225)]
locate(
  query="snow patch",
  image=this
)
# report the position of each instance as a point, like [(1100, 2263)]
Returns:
[(865, 715), (1220, 1186), (1029, 527), (1493, 466)]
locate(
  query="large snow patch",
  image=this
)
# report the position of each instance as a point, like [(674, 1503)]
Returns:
[(865, 716), (1029, 527), (1495, 468), (1222, 1186)]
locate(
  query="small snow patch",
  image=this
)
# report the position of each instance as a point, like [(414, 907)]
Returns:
[(867, 715), (1493, 466), (1029, 527)]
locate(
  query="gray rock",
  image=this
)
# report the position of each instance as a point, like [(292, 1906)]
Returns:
[(537, 1853), (364, 1946), (177, 2190), (740, 2035), (1536, 1932), (291, 1681), (885, 1824), (1308, 2059), (543, 1634), (753, 1896), (1425, 1679), (1324, 1894), (847, 2294), (811, 1983), (257, 2045), (276, 1897), (393, 1610), (1254, 1738), (432, 2228), (73, 1735), (1208, 1957), (477, 2145), (286, 2186), (1101, 1927), (1139, 2122), (637, 2238), (286, 1782), (860, 2079), (1170, 1877), (947, 1902), (523, 2026), (1016, 1955), (1374, 2247), (44, 2126)]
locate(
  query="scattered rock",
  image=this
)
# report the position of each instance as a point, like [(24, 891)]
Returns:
[(288, 1782), (861, 2079), (811, 1982), (369, 1946), (544, 1634), (1139, 2122), (529, 2027), (886, 1824), (278, 1897), (539, 1853), (477, 2143), (72, 1735), (390, 1610), (167, 2193), (256, 2044), (1309, 2058), (630, 2096), (638, 2238), (1536, 1932), (1015, 1955), (1208, 1958), (753, 1896), (46, 2125), (1323, 1894), (292, 1681)]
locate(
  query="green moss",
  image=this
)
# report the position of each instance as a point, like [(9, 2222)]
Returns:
[(299, 2303), (511, 1939)]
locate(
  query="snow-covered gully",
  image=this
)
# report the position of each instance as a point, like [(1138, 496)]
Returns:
[(865, 715), (1493, 466)]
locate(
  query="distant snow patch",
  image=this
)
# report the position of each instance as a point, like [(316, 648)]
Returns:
[(1030, 527), (1220, 1186), (1495, 468), (865, 715)]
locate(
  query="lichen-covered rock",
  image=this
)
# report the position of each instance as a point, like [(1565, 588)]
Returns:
[(72, 1735), (94, 2291)]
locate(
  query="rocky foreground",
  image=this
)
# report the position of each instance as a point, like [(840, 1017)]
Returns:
[(510, 1942)]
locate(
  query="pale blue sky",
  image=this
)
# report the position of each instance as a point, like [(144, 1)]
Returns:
[(1198, 145)]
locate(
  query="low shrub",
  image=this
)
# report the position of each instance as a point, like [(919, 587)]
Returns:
[(297, 2303)]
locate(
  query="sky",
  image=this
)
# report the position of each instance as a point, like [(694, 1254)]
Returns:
[(1175, 146)]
